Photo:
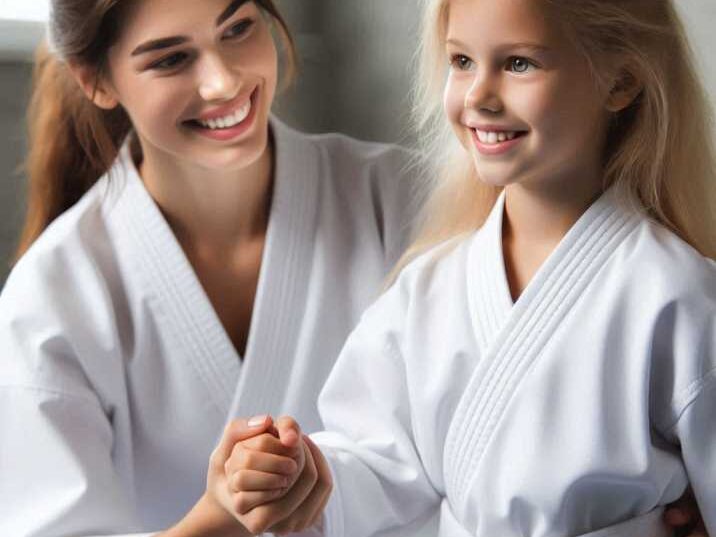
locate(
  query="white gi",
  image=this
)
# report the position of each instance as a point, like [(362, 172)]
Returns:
[(116, 375), (583, 407)]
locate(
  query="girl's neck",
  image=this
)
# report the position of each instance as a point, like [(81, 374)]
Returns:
[(535, 221), (209, 210), (542, 216)]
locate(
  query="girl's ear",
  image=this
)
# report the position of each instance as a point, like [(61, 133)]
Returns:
[(93, 86), (625, 90)]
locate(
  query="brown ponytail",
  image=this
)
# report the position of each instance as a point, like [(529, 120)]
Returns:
[(72, 143)]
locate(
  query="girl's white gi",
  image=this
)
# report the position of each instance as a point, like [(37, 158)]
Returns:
[(116, 376), (583, 407)]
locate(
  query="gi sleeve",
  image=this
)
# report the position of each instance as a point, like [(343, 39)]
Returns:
[(696, 425), (379, 480), (57, 473)]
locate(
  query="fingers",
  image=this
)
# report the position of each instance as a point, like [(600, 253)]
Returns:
[(268, 443), (309, 512), (289, 431), (244, 502), (286, 510), (677, 516), (246, 459), (239, 430), (254, 481), (325, 480)]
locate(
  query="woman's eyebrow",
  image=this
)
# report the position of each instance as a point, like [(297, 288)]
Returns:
[(157, 44), (229, 11), (166, 42)]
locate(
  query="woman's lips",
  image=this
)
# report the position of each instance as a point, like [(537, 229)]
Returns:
[(223, 133)]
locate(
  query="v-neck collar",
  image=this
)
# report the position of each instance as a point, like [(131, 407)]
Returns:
[(524, 328), (492, 298), (178, 299)]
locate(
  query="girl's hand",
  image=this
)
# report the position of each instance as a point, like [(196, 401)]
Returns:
[(263, 468), (684, 518), (306, 512)]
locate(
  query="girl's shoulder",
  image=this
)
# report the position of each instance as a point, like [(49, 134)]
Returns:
[(662, 264)]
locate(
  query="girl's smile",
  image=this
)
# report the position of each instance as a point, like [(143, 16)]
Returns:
[(519, 97)]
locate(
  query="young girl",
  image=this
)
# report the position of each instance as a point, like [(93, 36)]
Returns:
[(553, 372), (216, 259)]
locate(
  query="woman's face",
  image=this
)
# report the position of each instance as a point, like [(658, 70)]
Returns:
[(197, 79)]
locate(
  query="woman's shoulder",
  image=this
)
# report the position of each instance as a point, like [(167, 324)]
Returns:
[(349, 159)]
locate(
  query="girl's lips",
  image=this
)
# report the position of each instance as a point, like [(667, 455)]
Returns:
[(228, 133), (498, 148)]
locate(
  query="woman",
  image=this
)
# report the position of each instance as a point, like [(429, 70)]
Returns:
[(221, 257)]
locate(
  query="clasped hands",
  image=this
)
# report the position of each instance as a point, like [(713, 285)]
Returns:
[(269, 476)]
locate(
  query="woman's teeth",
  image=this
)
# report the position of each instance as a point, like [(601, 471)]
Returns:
[(492, 138), (228, 121)]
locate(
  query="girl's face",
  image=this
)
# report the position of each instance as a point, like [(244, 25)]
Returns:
[(197, 80), (519, 97)]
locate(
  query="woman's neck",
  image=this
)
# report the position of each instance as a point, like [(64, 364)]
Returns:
[(211, 211)]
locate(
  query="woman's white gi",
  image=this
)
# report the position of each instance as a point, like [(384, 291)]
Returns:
[(588, 403), (116, 376)]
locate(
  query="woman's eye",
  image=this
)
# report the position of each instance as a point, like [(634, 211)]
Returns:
[(520, 65), (170, 62), (239, 29), (461, 62)]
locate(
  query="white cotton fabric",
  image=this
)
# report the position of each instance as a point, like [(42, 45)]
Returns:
[(583, 408), (116, 376)]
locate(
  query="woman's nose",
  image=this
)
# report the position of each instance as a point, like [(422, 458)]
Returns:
[(218, 82), (483, 94)]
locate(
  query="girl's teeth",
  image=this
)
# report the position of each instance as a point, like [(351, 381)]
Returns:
[(228, 121), (493, 138)]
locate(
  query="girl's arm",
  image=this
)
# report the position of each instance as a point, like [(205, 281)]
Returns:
[(379, 478)]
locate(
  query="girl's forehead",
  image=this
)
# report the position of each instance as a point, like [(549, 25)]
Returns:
[(501, 20)]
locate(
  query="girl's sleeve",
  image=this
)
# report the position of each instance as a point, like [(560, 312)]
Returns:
[(379, 480)]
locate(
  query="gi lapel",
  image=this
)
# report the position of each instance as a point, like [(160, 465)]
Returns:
[(518, 342), (174, 292), (281, 294)]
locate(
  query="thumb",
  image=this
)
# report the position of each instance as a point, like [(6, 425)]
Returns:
[(239, 430)]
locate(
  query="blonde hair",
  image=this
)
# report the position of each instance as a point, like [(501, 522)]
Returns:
[(660, 150)]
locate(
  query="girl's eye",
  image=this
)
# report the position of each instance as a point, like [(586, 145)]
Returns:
[(461, 62), (170, 62), (520, 65), (239, 29)]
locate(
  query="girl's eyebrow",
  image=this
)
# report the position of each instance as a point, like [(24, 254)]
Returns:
[(506, 46), (167, 42)]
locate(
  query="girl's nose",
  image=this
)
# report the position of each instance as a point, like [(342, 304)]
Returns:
[(483, 95), (217, 81)]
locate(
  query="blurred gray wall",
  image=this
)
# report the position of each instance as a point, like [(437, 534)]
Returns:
[(355, 78)]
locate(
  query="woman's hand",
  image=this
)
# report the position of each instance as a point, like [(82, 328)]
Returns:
[(684, 518)]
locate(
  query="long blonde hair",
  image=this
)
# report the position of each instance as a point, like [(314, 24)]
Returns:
[(660, 150)]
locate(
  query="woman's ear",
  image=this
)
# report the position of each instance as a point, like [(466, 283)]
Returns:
[(625, 89), (94, 86)]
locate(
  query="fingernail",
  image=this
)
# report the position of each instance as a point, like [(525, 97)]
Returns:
[(257, 421)]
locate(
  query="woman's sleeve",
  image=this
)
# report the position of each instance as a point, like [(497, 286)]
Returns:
[(58, 473), (379, 479), (58, 477)]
